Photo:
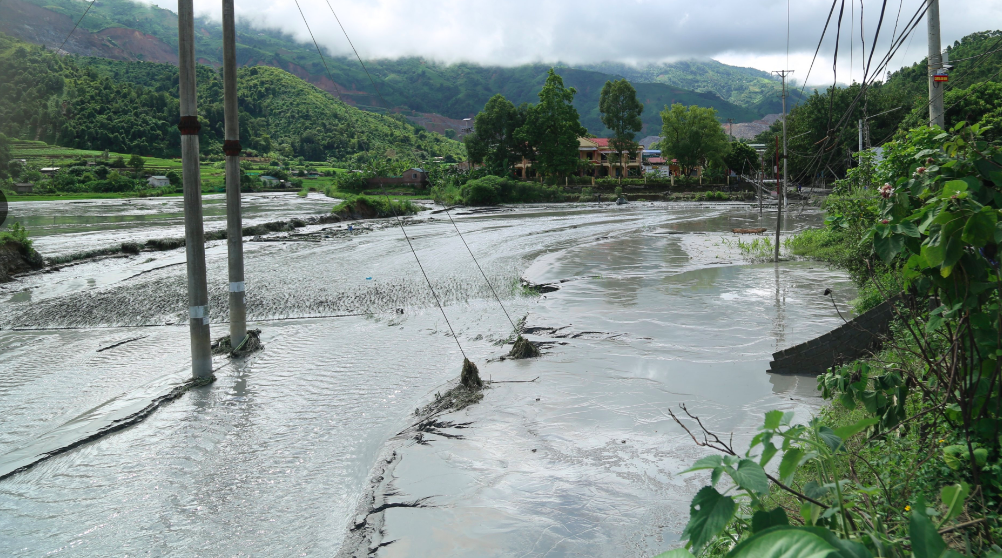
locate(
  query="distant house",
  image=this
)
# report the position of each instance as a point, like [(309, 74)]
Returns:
[(410, 177), (599, 160), (313, 175), (23, 187), (158, 181), (269, 180), (49, 170)]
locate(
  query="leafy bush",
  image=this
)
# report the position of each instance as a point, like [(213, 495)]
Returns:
[(907, 461), (366, 207)]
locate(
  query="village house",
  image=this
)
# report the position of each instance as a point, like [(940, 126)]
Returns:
[(269, 180), (23, 187), (410, 177), (599, 161), (158, 181)]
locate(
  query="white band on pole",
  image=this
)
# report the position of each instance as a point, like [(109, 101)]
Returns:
[(197, 312), (237, 287)]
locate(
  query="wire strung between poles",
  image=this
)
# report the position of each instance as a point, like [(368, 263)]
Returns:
[(488, 281), (376, 87), (427, 280)]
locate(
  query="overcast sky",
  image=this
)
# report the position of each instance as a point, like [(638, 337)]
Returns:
[(508, 32)]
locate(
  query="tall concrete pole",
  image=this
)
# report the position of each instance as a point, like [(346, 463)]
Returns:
[(194, 237), (935, 64), (781, 190), (234, 221)]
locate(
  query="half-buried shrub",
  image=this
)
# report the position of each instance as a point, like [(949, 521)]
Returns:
[(365, 207)]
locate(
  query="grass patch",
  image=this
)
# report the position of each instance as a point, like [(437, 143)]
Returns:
[(366, 207)]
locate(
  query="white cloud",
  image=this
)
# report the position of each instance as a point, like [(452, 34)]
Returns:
[(576, 31)]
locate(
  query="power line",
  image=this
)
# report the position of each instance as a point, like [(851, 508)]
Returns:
[(488, 281), (75, 25), (431, 288)]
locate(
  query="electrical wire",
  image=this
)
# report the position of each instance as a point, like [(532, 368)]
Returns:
[(75, 25), (488, 281), (431, 288)]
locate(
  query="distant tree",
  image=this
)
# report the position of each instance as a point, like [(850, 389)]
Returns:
[(174, 177), (741, 158), (692, 136), (979, 103), (137, 163), (493, 141), (118, 162), (450, 133), (621, 113), (4, 157), (552, 128)]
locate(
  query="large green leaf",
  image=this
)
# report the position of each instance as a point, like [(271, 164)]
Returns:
[(851, 430), (709, 513), (980, 227), (750, 476), (788, 466), (926, 542), (708, 462), (953, 497), (888, 247), (762, 520), (783, 543), (954, 188), (830, 438)]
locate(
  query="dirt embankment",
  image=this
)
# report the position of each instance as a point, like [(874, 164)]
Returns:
[(14, 258)]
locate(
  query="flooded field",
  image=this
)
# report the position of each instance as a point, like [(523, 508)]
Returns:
[(289, 451)]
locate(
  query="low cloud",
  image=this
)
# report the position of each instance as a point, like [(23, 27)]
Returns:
[(635, 31)]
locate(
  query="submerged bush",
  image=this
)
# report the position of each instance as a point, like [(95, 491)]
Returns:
[(366, 207)]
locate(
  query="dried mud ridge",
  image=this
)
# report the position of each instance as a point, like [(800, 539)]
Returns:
[(117, 425), (173, 243), (15, 260)]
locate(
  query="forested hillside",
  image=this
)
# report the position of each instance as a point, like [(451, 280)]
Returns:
[(132, 107), (746, 87), (824, 128), (124, 30)]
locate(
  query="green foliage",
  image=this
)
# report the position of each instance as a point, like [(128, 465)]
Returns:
[(552, 129), (492, 190), (372, 207), (5, 171), (935, 230), (16, 233), (621, 113), (828, 120), (417, 84), (741, 158), (746, 87), (492, 142), (132, 107), (692, 135)]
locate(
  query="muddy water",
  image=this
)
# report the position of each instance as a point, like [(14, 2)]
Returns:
[(656, 306)]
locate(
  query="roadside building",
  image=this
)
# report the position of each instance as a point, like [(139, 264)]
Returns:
[(158, 181), (411, 177), (23, 187), (599, 160)]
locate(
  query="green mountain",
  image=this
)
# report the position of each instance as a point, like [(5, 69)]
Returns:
[(132, 107), (124, 30), (746, 87)]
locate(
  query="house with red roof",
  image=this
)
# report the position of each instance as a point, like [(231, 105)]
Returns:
[(598, 160)]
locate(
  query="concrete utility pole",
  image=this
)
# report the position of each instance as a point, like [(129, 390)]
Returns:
[(860, 135), (935, 65), (234, 221), (781, 191), (194, 237)]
